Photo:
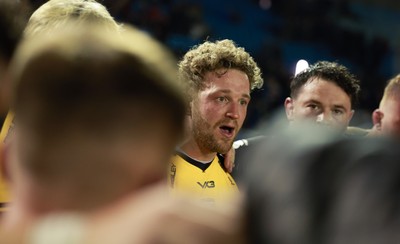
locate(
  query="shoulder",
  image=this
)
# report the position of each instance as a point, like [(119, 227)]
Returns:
[(356, 132)]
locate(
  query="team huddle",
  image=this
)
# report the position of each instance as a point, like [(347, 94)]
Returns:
[(104, 134)]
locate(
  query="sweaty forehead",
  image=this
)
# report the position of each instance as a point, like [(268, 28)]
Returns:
[(230, 79), (324, 90), (316, 84)]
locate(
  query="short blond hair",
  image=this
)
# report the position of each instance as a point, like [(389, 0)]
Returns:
[(392, 89), (81, 87), (55, 14), (211, 56)]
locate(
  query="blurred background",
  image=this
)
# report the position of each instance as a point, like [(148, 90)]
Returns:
[(363, 35)]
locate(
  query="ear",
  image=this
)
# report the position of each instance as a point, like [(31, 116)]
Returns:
[(351, 115), (377, 117), (289, 108)]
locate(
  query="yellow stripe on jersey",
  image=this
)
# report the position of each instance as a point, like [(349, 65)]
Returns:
[(211, 185), (4, 134), (7, 128), (4, 195)]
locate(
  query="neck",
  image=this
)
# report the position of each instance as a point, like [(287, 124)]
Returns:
[(31, 202), (21, 212), (195, 151)]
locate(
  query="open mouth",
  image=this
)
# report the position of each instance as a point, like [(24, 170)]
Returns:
[(227, 131)]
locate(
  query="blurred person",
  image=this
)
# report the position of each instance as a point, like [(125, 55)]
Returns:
[(51, 16), (323, 188), (219, 77), (98, 118), (13, 18), (148, 216), (325, 94), (386, 118), (54, 14)]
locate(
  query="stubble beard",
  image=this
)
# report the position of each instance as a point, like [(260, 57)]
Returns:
[(203, 134)]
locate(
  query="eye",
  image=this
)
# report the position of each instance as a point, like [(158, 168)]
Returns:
[(312, 106), (222, 99), (243, 102), (338, 111)]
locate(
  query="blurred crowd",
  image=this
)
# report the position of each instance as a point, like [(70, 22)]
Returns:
[(314, 27)]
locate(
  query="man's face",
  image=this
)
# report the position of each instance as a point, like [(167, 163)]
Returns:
[(322, 102), (218, 110), (390, 121)]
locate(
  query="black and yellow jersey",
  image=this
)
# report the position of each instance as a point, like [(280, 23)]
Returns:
[(7, 127), (4, 194), (5, 132), (4, 197), (206, 181)]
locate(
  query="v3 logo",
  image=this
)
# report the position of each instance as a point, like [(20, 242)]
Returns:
[(207, 184)]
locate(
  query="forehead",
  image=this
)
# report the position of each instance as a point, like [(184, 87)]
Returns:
[(230, 79), (324, 91)]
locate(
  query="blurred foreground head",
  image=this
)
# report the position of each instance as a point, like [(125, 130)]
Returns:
[(324, 189), (53, 17), (98, 117), (50, 18), (324, 94), (386, 118), (56, 14)]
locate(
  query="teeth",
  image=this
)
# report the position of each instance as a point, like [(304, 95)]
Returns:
[(227, 129)]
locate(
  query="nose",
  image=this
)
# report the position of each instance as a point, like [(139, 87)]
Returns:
[(324, 118), (233, 111)]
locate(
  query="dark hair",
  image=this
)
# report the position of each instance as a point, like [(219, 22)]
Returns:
[(323, 189), (329, 71), (13, 18)]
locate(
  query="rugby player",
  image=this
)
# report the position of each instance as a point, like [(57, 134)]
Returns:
[(219, 77)]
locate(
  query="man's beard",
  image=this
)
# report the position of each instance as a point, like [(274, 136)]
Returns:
[(203, 134)]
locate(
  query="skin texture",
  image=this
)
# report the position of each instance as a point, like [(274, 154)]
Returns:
[(386, 119), (222, 102), (33, 198), (149, 216), (229, 160), (142, 219), (322, 102)]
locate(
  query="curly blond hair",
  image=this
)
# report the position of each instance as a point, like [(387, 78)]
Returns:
[(211, 56)]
